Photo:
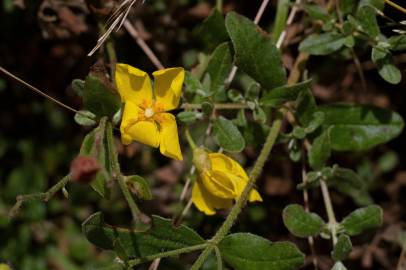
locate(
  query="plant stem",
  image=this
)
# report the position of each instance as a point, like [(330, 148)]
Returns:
[(218, 106), (190, 139), (116, 171), (45, 196), (111, 52), (219, 5), (330, 211), (395, 6), (135, 211), (135, 262), (235, 211)]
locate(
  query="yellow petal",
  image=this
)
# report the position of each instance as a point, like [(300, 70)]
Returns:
[(169, 138), (133, 84), (219, 184), (254, 196), (168, 87), (221, 162), (206, 202), (130, 116), (145, 132)]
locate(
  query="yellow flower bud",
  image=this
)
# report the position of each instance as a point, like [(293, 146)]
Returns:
[(221, 181)]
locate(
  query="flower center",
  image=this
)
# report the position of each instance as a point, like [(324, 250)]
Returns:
[(149, 112)]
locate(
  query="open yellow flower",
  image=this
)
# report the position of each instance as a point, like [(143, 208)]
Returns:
[(221, 181), (145, 118)]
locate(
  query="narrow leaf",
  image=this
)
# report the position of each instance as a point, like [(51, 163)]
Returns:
[(320, 151)]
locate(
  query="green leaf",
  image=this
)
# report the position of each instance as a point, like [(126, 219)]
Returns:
[(188, 116), (397, 43), (379, 4), (306, 108), (316, 12), (99, 98), (139, 186), (280, 18), (347, 6), (213, 31), (280, 95), (220, 65), (78, 86), (192, 84), (85, 118), (228, 136), (342, 249), (360, 127), (350, 183), (320, 151), (255, 53), (161, 237), (366, 16), (247, 251), (95, 144), (339, 266), (322, 44), (389, 72), (301, 223), (363, 219), (378, 53)]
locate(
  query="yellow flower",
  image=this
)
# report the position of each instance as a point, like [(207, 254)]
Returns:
[(145, 118), (221, 181)]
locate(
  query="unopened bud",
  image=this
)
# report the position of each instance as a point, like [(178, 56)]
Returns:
[(201, 159), (84, 168)]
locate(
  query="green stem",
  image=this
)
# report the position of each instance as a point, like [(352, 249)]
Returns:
[(235, 211), (190, 139), (135, 211), (219, 5), (218, 106), (135, 262), (330, 211), (111, 52), (45, 196), (116, 171)]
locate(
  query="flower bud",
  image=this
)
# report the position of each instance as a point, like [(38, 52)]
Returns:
[(201, 159), (84, 168)]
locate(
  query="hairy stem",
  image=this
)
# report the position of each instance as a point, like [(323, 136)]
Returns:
[(45, 196), (135, 262), (330, 211), (235, 211)]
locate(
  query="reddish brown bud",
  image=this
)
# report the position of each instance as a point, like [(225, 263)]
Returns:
[(84, 168)]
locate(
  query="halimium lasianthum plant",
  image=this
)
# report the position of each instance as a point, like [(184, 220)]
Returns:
[(271, 100), (145, 117), (221, 181)]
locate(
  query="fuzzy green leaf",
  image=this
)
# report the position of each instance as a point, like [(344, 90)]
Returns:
[(342, 249), (139, 186), (99, 98), (247, 251), (161, 237), (255, 53), (301, 223), (320, 151), (322, 44), (360, 127), (228, 136), (213, 31), (280, 95), (219, 67), (363, 219)]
